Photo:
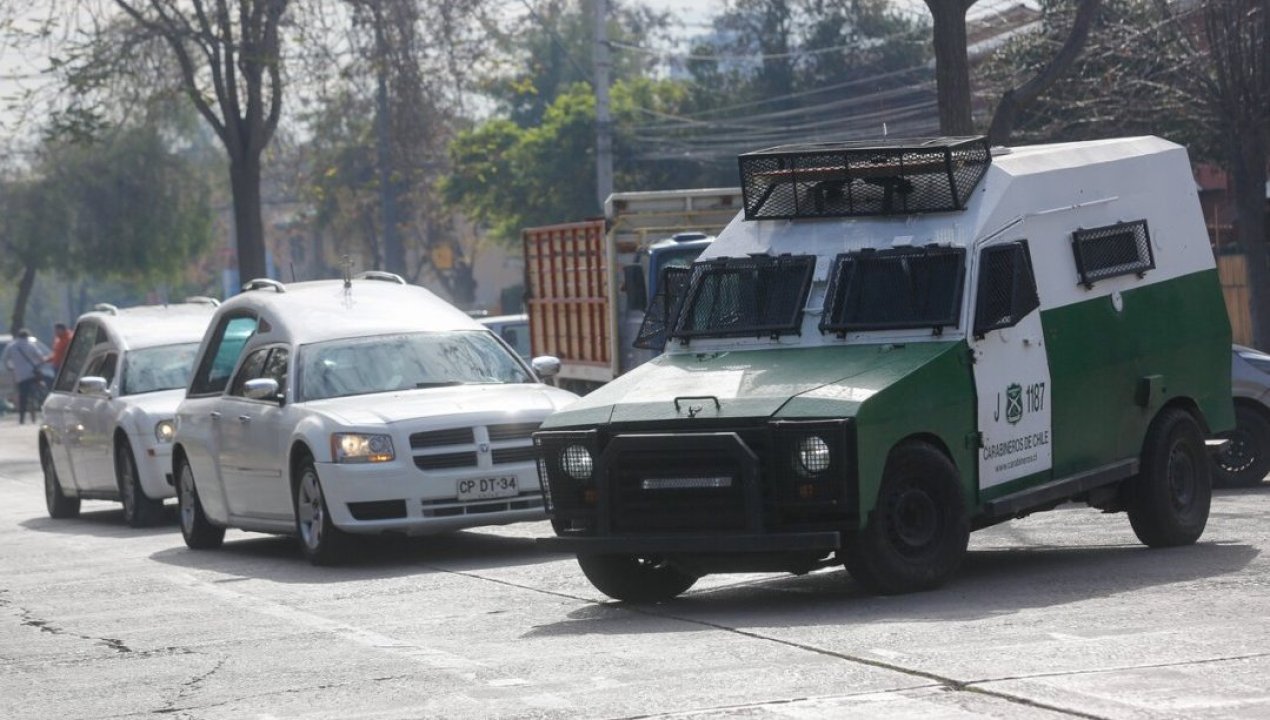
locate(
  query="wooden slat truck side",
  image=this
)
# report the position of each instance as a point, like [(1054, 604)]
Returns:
[(579, 307)]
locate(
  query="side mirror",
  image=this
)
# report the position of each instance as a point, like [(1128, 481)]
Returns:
[(93, 385), (261, 389), (546, 366)]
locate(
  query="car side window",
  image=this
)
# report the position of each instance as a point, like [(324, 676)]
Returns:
[(1007, 287), (276, 368), (102, 366), (248, 370), (223, 350), (76, 356)]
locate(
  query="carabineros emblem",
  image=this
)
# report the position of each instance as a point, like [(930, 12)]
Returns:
[(1014, 404)]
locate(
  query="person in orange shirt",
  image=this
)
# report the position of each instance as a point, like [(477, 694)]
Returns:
[(61, 341)]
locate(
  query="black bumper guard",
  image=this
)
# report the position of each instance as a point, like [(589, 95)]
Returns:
[(693, 544)]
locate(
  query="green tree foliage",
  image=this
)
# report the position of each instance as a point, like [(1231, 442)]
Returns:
[(125, 206), (549, 50), (507, 177)]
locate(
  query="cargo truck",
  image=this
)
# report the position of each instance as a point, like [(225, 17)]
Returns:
[(588, 283)]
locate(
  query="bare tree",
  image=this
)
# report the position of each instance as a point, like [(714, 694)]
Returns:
[(228, 55), (1015, 100), (1234, 89), (952, 69)]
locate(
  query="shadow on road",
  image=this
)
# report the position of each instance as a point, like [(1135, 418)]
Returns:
[(992, 582), (106, 522), (375, 557)]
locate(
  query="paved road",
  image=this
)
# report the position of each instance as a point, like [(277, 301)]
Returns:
[(1057, 616)]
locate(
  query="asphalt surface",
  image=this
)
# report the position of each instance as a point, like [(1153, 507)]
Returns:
[(1060, 615)]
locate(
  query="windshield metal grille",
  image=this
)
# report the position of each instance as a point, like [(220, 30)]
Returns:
[(894, 289), (664, 309), (863, 178), (754, 296)]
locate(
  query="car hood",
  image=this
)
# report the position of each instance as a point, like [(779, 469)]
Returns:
[(386, 408), (161, 404), (748, 384)]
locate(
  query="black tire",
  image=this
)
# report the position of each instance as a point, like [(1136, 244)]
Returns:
[(1169, 498), (918, 531), (321, 542), (60, 506), (1245, 460), (635, 579), (139, 510), (196, 528)]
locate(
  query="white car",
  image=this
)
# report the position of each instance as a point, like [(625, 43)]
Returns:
[(322, 409), (109, 419)]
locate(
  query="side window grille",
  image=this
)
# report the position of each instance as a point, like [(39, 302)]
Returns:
[(660, 317), (1113, 250), (1007, 287)]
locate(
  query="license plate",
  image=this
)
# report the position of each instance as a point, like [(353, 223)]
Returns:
[(488, 488)]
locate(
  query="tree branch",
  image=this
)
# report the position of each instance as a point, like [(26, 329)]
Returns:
[(1016, 99)]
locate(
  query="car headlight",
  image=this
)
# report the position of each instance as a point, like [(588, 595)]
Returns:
[(361, 448), (577, 463), (165, 430), (812, 456)]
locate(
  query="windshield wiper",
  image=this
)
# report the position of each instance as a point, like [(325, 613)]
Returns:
[(439, 383)]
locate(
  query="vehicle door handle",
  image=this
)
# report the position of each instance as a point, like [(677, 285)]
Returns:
[(244, 419), (214, 415)]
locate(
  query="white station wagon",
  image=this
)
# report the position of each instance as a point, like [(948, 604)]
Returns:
[(109, 420), (364, 406)]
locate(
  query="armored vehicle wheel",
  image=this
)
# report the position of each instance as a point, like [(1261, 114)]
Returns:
[(1169, 498), (60, 506), (321, 541), (138, 509), (198, 531), (1245, 460), (918, 531), (635, 579)]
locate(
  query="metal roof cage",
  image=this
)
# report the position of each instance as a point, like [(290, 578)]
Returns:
[(853, 179)]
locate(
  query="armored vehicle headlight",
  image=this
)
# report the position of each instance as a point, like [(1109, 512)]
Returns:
[(577, 462), (165, 430), (361, 448), (812, 455)]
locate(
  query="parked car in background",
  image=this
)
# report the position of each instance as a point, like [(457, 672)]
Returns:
[(108, 421), (1245, 460), (322, 409), (514, 329)]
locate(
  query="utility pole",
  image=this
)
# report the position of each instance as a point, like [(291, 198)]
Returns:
[(394, 254), (603, 117)]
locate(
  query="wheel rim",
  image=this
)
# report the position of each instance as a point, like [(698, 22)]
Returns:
[(1181, 475), (914, 520), (1237, 456), (309, 512), (127, 492), (187, 498)]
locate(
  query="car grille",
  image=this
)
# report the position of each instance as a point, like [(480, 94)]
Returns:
[(474, 446), (450, 508), (636, 508)]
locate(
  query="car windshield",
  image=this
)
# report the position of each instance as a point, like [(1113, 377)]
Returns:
[(387, 363), (158, 368)]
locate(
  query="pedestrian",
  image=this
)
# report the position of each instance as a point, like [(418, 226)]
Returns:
[(23, 357), (61, 341)]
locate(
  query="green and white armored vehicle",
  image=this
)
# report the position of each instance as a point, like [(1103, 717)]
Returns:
[(896, 343)]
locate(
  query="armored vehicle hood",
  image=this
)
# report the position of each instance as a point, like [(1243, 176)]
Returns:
[(786, 382)]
